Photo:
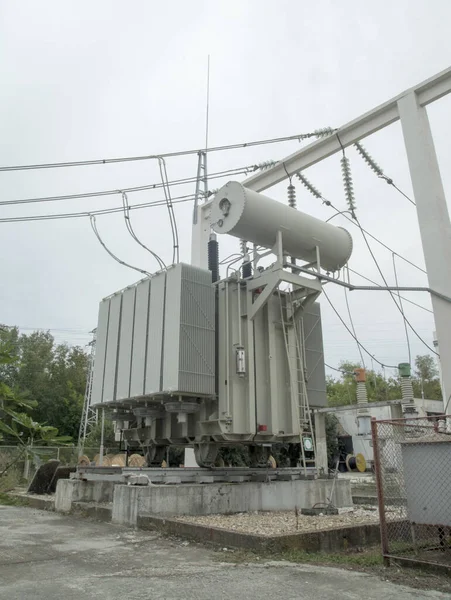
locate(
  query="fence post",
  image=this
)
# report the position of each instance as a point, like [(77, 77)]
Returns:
[(380, 492), (26, 466)]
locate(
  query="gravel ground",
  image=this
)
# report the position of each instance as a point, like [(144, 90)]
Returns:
[(273, 523)]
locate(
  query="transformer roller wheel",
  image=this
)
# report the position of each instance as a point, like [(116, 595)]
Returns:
[(259, 456), (206, 454), (155, 455)]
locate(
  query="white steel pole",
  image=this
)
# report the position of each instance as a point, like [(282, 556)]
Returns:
[(433, 219), (200, 236)]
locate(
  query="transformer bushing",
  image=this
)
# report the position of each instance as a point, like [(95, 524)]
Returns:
[(406, 389), (363, 414)]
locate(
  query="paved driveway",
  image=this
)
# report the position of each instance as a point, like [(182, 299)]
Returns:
[(46, 556)]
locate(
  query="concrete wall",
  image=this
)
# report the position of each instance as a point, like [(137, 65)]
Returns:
[(223, 498), (425, 406)]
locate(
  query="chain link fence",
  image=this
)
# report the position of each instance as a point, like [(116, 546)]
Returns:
[(412, 459), (23, 462)]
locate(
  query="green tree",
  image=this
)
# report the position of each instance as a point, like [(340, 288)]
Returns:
[(426, 368), (342, 391), (94, 436), (426, 381), (16, 424), (332, 439), (53, 375)]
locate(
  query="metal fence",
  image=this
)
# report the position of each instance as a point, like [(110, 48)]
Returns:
[(412, 459), (25, 462)]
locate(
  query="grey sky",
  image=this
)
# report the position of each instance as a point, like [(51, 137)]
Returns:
[(83, 80)]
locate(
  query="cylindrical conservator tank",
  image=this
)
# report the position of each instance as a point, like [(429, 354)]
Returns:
[(251, 216)]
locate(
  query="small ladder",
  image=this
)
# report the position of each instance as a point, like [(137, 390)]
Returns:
[(296, 353)]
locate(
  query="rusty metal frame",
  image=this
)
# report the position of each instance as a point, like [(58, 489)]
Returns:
[(385, 547), (380, 493)]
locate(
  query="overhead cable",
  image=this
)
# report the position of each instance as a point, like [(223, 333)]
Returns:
[(103, 211), (382, 243), (315, 192), (172, 219), (352, 334), (141, 188), (131, 231), (347, 179), (392, 295), (402, 309), (342, 371), (353, 328), (103, 161), (121, 262)]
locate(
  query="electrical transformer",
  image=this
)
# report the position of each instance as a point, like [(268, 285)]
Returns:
[(183, 358)]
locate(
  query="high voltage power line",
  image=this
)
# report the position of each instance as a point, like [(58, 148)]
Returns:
[(351, 333), (103, 211), (104, 161), (150, 186), (169, 201), (347, 176)]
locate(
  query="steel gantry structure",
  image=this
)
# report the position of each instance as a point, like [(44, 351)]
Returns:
[(408, 107)]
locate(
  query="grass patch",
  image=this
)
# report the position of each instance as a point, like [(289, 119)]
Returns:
[(370, 557), (367, 558), (7, 500), (8, 482)]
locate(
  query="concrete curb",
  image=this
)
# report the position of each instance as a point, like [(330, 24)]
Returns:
[(366, 500), (35, 501), (328, 540)]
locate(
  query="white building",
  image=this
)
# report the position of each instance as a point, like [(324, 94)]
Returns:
[(392, 409)]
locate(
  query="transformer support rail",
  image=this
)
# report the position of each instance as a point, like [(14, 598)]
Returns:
[(193, 474)]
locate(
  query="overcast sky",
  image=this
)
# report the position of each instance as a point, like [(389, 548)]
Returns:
[(84, 80)]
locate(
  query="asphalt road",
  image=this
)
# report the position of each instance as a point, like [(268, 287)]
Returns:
[(46, 556)]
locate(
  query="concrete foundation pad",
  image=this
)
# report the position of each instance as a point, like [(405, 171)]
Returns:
[(69, 491), (224, 498)]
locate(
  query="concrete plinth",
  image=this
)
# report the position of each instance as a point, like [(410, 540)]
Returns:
[(221, 498), (75, 490)]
